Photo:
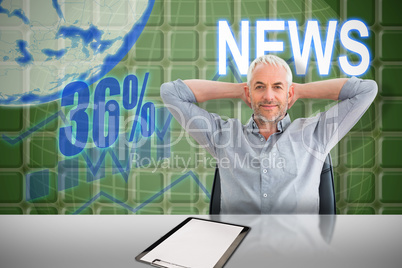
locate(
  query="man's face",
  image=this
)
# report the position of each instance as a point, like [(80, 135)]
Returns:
[(268, 93)]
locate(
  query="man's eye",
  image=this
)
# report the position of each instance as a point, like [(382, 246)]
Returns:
[(258, 87)]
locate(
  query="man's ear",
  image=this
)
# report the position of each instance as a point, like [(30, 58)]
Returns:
[(247, 93), (291, 95)]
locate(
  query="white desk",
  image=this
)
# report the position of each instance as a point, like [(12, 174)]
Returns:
[(274, 241)]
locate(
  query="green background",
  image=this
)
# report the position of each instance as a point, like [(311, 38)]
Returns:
[(180, 41)]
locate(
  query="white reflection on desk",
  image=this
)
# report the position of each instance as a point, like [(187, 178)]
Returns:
[(294, 237)]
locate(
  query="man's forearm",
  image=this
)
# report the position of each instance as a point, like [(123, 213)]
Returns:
[(327, 89), (208, 90)]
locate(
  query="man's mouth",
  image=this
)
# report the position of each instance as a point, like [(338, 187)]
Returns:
[(268, 106)]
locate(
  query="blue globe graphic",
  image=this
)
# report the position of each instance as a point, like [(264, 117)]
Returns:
[(45, 45)]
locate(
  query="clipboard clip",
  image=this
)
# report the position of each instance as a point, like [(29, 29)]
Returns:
[(163, 264)]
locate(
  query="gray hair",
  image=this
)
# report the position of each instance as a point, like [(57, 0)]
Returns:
[(272, 60)]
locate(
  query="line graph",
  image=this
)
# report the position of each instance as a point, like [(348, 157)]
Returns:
[(92, 166), (189, 175), (35, 128), (95, 168), (161, 134)]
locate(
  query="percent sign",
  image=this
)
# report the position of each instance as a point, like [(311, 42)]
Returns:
[(147, 108), (70, 146)]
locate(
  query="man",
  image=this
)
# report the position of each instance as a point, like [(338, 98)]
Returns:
[(269, 165)]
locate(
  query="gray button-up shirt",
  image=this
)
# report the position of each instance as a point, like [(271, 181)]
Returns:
[(278, 175)]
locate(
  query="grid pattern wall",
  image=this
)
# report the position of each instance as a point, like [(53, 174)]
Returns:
[(180, 41)]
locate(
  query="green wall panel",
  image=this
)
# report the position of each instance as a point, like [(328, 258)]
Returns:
[(180, 40)]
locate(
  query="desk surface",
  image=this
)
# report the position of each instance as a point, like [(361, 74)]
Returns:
[(274, 240)]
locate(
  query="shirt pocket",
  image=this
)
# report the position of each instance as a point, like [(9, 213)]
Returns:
[(283, 159)]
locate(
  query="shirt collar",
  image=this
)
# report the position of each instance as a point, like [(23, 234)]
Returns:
[(281, 125)]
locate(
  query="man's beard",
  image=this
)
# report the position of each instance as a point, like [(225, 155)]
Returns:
[(258, 116)]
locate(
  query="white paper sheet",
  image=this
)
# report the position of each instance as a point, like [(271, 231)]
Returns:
[(198, 244)]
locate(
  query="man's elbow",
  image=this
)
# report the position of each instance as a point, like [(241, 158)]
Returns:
[(164, 88), (165, 91), (372, 88)]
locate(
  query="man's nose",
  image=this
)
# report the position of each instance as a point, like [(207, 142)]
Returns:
[(269, 94)]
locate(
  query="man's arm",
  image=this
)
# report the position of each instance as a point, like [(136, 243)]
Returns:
[(329, 127), (180, 97), (205, 90), (327, 89)]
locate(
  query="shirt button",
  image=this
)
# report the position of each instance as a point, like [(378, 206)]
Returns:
[(262, 139), (264, 170), (264, 195)]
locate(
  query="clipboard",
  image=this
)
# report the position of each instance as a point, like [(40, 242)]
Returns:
[(195, 243)]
